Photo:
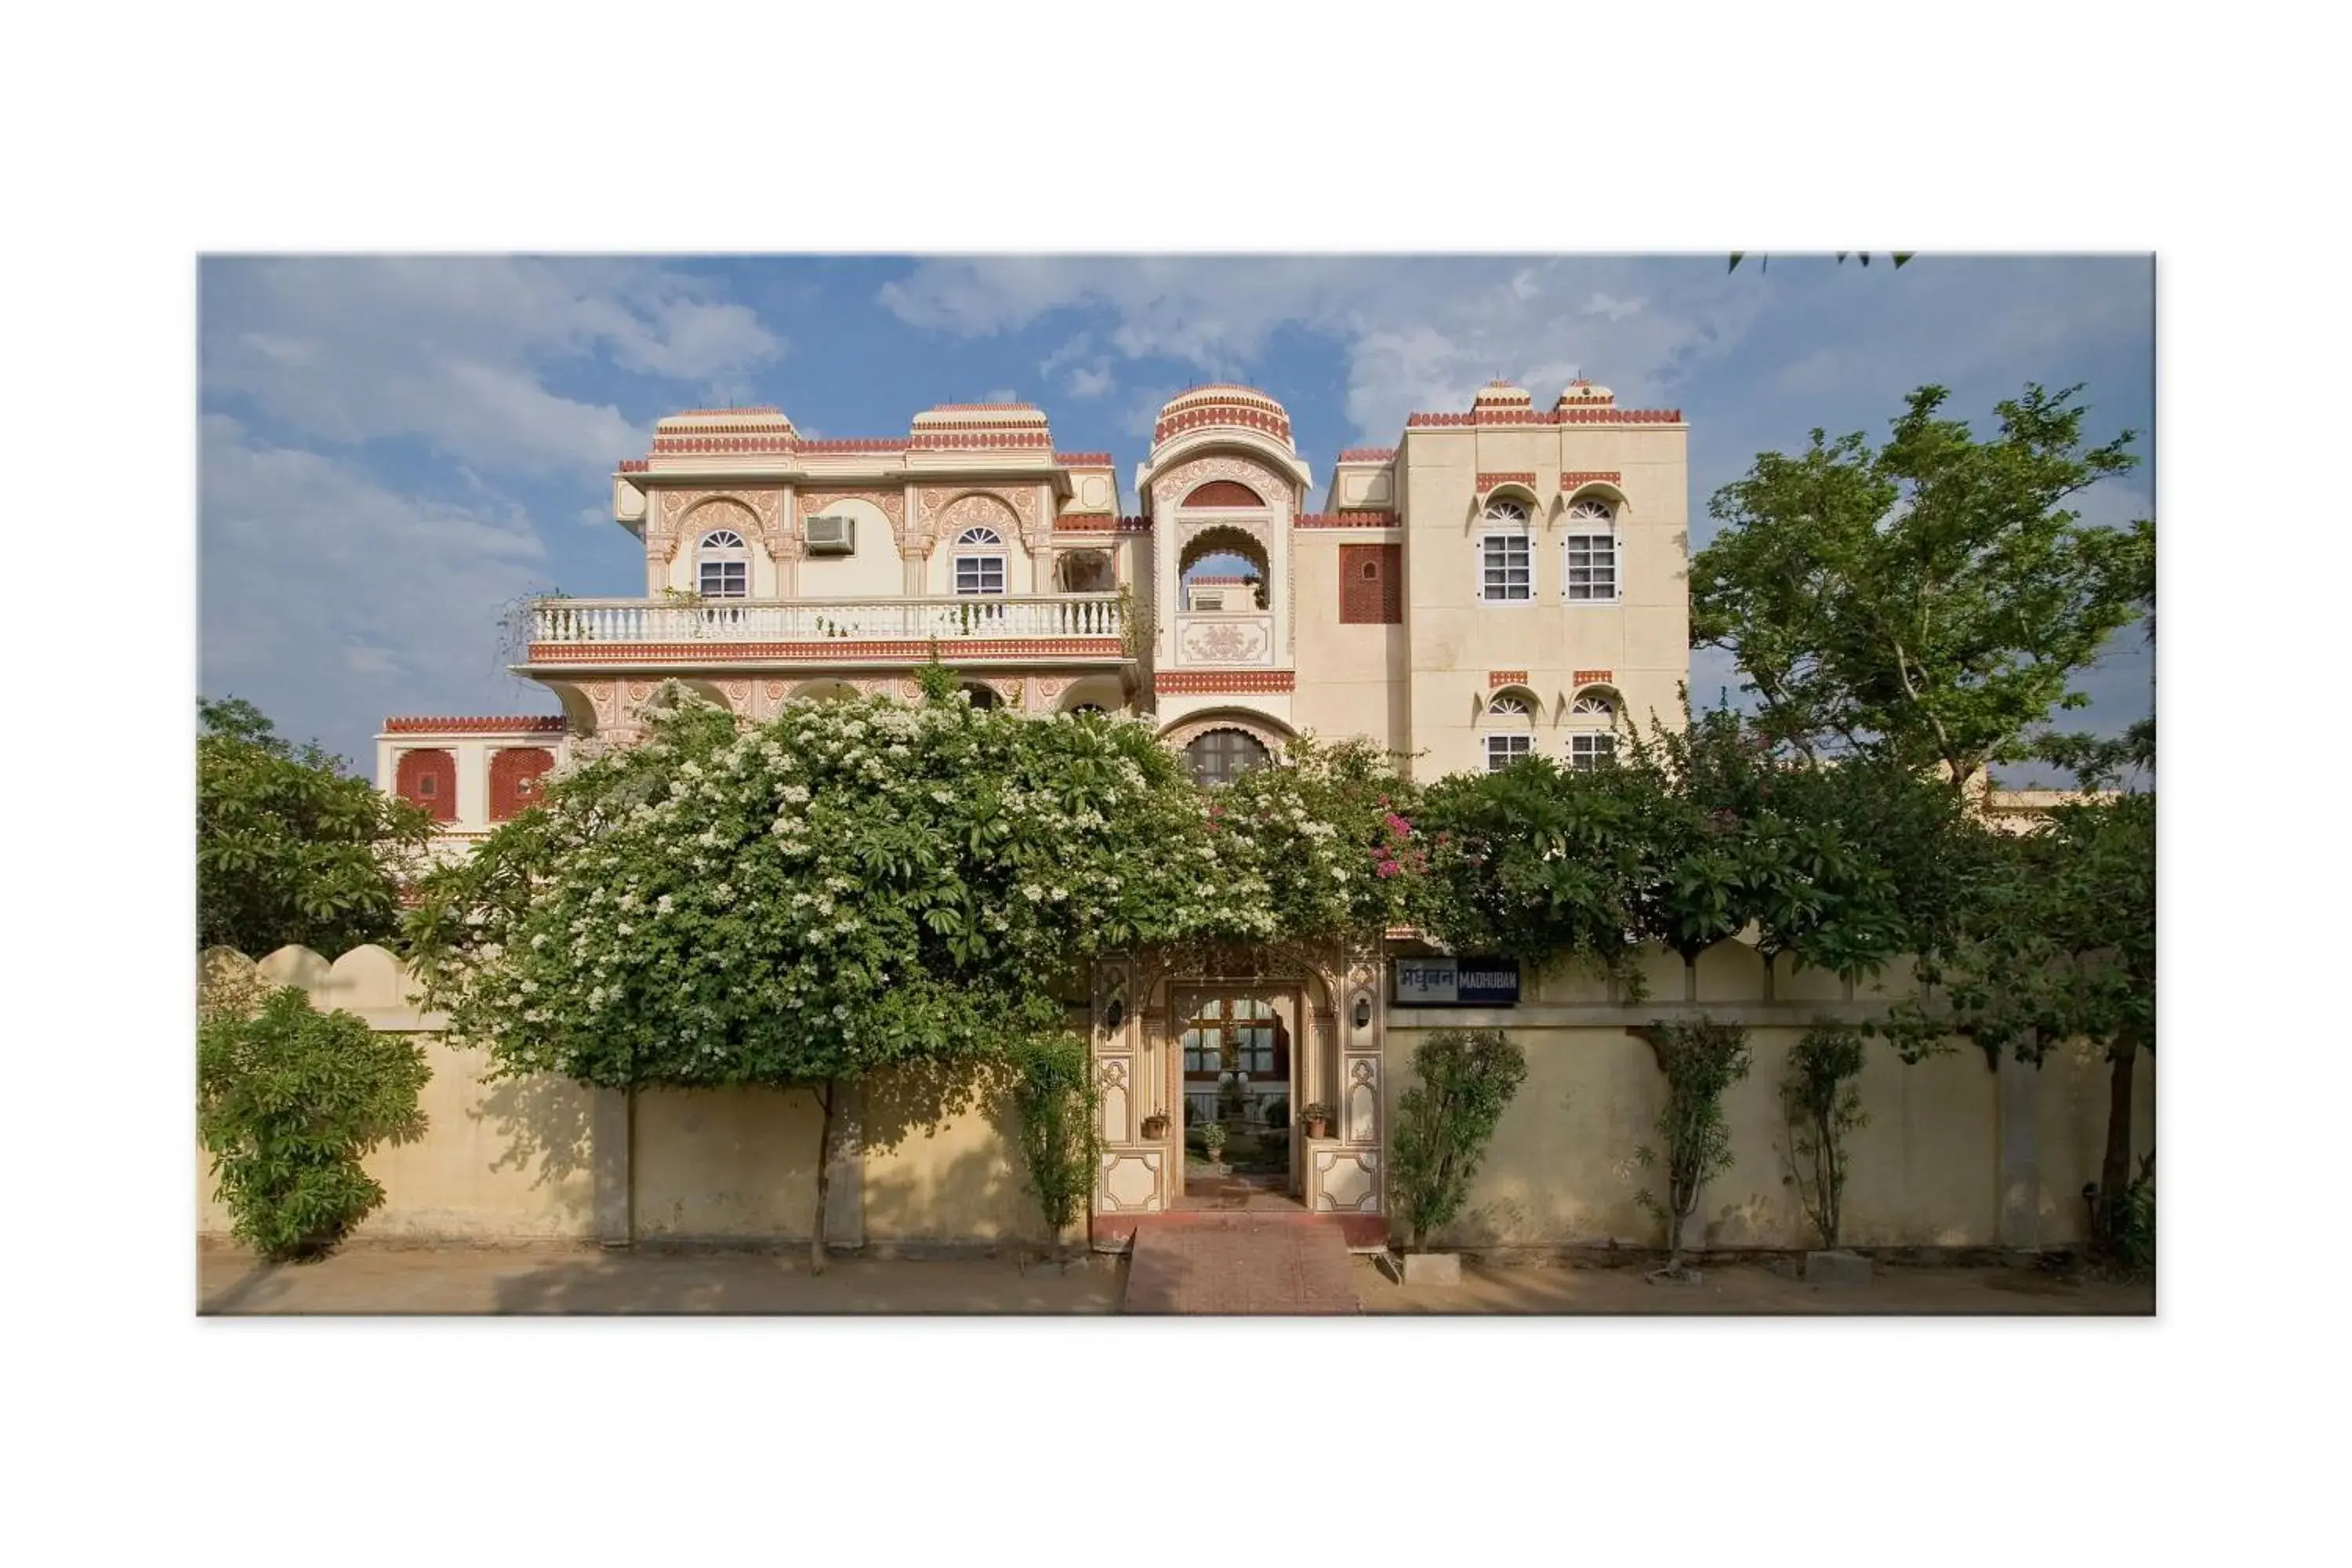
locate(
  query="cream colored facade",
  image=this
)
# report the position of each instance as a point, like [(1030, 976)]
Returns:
[(1509, 579), (778, 566)]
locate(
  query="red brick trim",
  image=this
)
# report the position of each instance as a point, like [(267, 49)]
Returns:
[(1083, 459), (1593, 678), (1592, 477), (677, 446), (634, 465), (1353, 519), (881, 444), (1544, 416), (747, 411), (514, 777), (1368, 455), (1205, 682), (1101, 523), (1371, 584), (1223, 492), (914, 650), (1493, 481), (414, 768), (1495, 678), (515, 724)]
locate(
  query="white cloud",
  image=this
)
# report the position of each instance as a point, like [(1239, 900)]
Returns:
[(332, 601), (457, 352), (1419, 332), (1000, 395), (1090, 381)]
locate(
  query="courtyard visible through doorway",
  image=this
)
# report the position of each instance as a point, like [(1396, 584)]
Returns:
[(1238, 1066)]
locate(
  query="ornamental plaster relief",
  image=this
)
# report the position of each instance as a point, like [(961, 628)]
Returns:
[(1170, 489), (753, 513), (1226, 642)]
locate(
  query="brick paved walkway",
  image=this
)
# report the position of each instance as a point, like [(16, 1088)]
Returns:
[(1240, 1262)]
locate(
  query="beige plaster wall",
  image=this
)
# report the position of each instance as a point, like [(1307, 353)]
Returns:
[(961, 1180), (498, 1161), (733, 1164), (1456, 638), (874, 570), (1350, 677), (1562, 1171)]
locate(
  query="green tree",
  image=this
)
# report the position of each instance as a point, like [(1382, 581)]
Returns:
[(290, 846), (1463, 1080), (288, 1101), (2057, 943), (1927, 601), (1701, 1060), (1820, 1104), (1061, 1141)]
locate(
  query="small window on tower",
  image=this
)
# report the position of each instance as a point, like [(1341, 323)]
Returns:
[(427, 785)]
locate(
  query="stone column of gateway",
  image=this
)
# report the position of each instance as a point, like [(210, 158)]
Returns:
[(1505, 580)]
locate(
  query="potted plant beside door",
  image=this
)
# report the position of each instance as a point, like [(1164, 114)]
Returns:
[(1317, 1117), (1212, 1138)]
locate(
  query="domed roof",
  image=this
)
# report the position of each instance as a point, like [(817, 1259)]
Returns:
[(1501, 394), (1226, 405), (764, 418), (1582, 394)]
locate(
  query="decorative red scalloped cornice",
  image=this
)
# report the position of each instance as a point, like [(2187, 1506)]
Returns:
[(1592, 677), (1358, 519), (1591, 476), (634, 465), (1492, 481), (1368, 455), (1495, 678), (1083, 459), (512, 724), (1544, 416), (911, 650), (1210, 682), (1227, 414)]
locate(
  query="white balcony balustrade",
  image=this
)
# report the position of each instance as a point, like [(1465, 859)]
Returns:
[(584, 624)]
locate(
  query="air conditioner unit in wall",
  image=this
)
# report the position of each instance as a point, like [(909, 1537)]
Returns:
[(832, 536)]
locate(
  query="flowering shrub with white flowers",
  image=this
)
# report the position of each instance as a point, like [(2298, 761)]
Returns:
[(860, 885)]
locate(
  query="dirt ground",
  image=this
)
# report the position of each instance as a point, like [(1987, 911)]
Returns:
[(557, 1280)]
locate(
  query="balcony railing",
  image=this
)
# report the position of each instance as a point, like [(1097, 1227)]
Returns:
[(586, 623)]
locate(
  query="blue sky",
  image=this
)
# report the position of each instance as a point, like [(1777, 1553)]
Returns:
[(391, 448)]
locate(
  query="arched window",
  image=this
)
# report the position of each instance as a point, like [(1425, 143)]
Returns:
[(1595, 741), (978, 562), (1590, 548), (1506, 565), (1510, 725), (723, 566), (982, 697), (1221, 756)]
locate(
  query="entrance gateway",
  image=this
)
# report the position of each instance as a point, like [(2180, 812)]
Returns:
[(1249, 1046)]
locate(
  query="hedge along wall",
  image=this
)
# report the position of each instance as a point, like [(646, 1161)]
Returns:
[(522, 1160), (1931, 1168)]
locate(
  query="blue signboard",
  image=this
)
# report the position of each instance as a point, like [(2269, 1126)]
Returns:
[(1445, 982)]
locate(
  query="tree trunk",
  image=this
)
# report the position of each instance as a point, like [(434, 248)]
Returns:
[(826, 1098), (2115, 1168)]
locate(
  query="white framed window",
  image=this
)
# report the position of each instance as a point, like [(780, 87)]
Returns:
[(982, 571), (1506, 555), (722, 566), (1591, 749), (1502, 751), (1588, 553)]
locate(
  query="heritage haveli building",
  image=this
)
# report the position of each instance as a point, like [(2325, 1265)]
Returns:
[(1507, 580)]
